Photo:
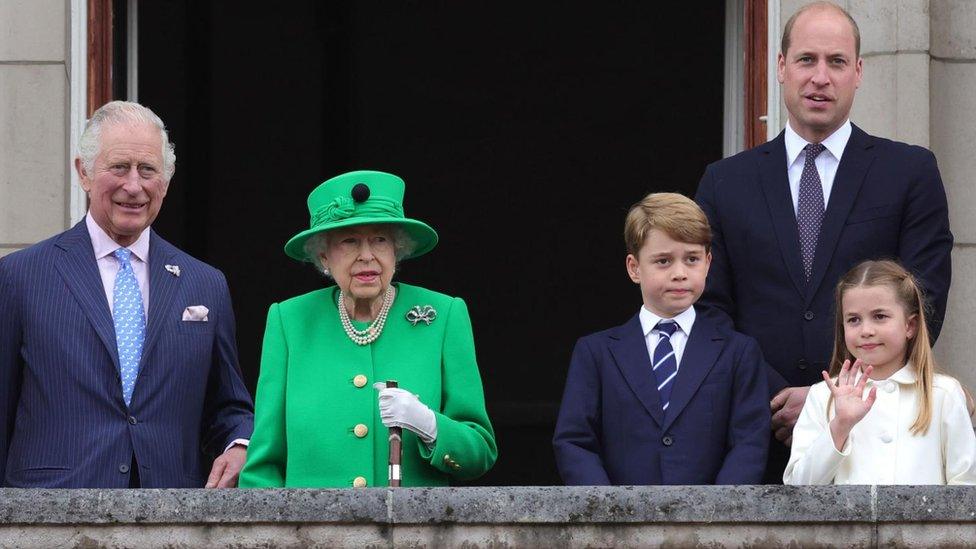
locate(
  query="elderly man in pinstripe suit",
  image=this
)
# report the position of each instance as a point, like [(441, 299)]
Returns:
[(118, 359)]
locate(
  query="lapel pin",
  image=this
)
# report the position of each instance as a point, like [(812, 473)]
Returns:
[(175, 269)]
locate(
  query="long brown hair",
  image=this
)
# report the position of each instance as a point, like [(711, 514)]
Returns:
[(919, 349)]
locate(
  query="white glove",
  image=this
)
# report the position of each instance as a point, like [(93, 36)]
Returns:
[(399, 408)]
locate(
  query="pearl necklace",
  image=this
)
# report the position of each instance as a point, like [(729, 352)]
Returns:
[(373, 331)]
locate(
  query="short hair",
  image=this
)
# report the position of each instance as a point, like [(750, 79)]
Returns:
[(318, 243), (121, 113), (821, 4), (676, 215)]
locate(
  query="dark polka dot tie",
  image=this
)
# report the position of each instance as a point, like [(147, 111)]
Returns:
[(810, 207)]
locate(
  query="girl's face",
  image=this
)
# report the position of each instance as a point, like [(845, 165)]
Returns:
[(876, 328)]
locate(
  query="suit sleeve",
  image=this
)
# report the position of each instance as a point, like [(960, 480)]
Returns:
[(717, 301), (229, 411), (748, 438), (10, 362), (267, 454), (465, 445), (925, 243), (577, 441)]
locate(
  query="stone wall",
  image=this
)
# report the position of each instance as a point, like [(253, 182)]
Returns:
[(707, 516), (34, 103)]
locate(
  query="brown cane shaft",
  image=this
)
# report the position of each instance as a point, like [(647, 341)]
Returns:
[(396, 450)]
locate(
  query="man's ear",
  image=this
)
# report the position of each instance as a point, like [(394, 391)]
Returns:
[(82, 174)]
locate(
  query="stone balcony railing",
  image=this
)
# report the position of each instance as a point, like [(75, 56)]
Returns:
[(677, 516)]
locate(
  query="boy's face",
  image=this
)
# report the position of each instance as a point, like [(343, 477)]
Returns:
[(671, 274)]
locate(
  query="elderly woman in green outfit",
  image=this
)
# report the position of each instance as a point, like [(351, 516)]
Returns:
[(318, 420)]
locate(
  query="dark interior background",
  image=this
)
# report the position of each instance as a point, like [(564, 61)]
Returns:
[(524, 131)]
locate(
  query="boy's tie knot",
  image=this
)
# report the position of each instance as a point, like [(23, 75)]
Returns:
[(667, 328)]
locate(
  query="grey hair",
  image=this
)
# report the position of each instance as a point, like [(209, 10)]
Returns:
[(123, 112), (318, 244)]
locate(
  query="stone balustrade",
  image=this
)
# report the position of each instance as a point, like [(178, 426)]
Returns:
[(678, 516)]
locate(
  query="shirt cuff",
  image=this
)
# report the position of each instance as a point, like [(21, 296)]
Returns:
[(239, 441)]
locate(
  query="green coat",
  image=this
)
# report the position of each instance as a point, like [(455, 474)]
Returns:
[(308, 404)]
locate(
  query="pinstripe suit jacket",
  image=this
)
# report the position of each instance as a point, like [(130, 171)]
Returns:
[(63, 422)]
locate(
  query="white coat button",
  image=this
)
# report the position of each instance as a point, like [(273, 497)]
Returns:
[(889, 386), (886, 438)]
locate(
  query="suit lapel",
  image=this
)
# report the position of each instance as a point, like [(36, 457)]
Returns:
[(853, 167), (701, 351), (775, 184), (162, 291), (629, 351), (79, 270)]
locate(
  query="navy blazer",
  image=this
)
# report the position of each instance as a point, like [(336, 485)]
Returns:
[(887, 201), (612, 430), (63, 421)]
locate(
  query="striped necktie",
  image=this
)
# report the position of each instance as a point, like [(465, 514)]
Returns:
[(130, 322), (665, 363)]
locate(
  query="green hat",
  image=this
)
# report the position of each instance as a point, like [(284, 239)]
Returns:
[(360, 198)]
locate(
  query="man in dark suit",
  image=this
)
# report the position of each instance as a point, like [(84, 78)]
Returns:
[(118, 359), (793, 215)]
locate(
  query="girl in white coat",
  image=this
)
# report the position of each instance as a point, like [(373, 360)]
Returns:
[(888, 418)]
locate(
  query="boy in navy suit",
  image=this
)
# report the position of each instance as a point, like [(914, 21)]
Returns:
[(668, 397)]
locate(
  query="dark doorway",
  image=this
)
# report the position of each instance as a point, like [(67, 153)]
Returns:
[(524, 131)]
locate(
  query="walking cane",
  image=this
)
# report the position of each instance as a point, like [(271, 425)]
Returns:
[(396, 450)]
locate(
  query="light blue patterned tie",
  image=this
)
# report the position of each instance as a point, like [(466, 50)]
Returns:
[(665, 364), (130, 322)]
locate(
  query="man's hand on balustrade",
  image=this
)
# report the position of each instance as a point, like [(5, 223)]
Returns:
[(227, 467)]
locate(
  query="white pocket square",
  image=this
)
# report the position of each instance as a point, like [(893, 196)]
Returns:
[(196, 313)]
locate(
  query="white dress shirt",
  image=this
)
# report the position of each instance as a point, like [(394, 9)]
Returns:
[(881, 448), (108, 265), (826, 162), (652, 336)]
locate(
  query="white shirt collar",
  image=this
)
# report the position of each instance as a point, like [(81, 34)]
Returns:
[(104, 246), (649, 320), (834, 143), (905, 375)]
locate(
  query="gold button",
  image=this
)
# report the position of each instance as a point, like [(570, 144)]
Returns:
[(359, 482), (447, 459), (359, 381), (360, 430), (455, 466)]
